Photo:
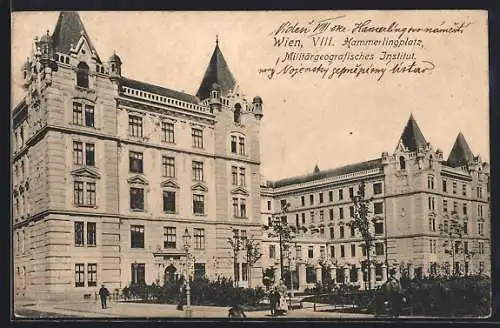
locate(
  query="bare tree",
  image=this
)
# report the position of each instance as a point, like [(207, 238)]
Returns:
[(361, 222), (253, 253)]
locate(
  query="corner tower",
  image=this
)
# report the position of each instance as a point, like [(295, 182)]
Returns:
[(237, 155)]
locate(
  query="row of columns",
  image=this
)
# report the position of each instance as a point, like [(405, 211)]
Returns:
[(301, 267)]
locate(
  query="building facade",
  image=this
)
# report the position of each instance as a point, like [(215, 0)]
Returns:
[(110, 174), (417, 196)]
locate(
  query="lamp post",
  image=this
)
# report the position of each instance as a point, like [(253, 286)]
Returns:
[(187, 244)]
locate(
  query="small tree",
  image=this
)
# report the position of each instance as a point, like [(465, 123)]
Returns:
[(279, 227), (235, 243), (453, 230), (361, 223)]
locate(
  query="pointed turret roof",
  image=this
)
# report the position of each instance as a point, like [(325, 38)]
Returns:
[(217, 72), (461, 153), (68, 30), (412, 137), (316, 169)]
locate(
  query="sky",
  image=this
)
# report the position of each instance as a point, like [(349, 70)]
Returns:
[(307, 120)]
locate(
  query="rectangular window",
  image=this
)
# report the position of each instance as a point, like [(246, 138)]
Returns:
[(466, 228), (430, 204), (379, 227), (351, 192), (92, 275), (168, 166), (91, 233), (242, 146), (90, 154), (377, 188), (311, 199), (341, 213), (136, 198), (244, 271), (91, 194), (79, 275), (321, 198), (353, 231), (330, 213), (135, 162), (298, 252), (78, 193), (242, 176), (268, 205), (199, 271), (378, 208), (321, 215), (445, 205), (89, 116), (332, 251), (480, 228), (303, 218), (464, 208), (464, 189), (135, 126), (341, 231), (297, 222), (235, 207), (77, 153), (234, 174), (430, 182), (351, 211), (444, 186), (167, 130), (479, 192), (322, 252), (197, 135), (378, 272), (77, 114), (199, 238), (332, 232), (342, 251), (243, 208), (480, 247), (137, 236), (234, 140), (312, 216), (480, 211), (199, 204), (79, 241), (302, 200), (310, 252), (272, 251), (330, 196), (198, 171), (169, 201), (454, 186), (432, 224), (138, 273), (379, 248), (170, 235), (353, 250), (341, 194)]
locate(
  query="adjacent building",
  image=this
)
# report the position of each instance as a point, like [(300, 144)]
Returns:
[(110, 173), (417, 197)]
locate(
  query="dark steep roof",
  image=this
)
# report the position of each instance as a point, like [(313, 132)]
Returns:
[(217, 72), (351, 168), (165, 92), (68, 31), (412, 137), (461, 153)]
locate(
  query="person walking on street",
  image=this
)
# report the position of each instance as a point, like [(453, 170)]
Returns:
[(274, 300), (103, 293)]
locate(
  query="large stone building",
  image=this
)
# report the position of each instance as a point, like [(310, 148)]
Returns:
[(109, 172), (415, 191)]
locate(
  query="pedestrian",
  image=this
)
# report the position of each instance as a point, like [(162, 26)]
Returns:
[(236, 311), (394, 294), (103, 293), (180, 299), (273, 300)]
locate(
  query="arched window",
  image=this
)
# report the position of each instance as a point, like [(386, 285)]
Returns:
[(82, 75), (237, 113), (430, 161), (402, 163)]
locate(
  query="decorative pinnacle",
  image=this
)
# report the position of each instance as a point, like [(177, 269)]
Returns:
[(216, 39)]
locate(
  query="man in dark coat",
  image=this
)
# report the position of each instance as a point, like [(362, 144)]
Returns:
[(103, 293), (274, 299)]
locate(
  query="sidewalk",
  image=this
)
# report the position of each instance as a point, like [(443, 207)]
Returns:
[(92, 309)]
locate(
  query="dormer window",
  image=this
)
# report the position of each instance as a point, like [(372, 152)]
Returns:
[(237, 113), (82, 75), (402, 163)]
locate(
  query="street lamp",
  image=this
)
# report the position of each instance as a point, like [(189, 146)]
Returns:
[(187, 243)]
